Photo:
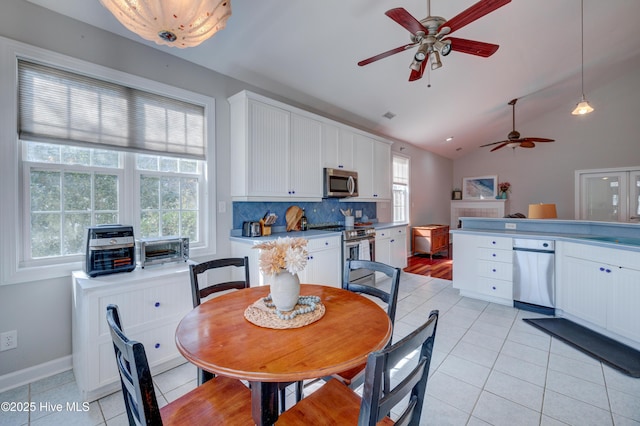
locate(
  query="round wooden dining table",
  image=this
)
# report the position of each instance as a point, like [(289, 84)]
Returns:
[(216, 337)]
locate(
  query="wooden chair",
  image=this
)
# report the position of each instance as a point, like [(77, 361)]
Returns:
[(355, 376), (336, 404), (199, 292), (219, 401)]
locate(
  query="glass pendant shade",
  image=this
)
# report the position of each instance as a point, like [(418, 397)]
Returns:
[(178, 23), (582, 108)]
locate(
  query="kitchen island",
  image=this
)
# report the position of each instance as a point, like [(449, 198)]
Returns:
[(597, 268)]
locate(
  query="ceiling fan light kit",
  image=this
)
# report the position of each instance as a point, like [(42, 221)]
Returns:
[(583, 106), (429, 35), (176, 23)]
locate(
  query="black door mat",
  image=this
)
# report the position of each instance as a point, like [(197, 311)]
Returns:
[(613, 353)]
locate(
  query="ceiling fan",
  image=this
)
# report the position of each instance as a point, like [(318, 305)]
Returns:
[(513, 139), (429, 35)]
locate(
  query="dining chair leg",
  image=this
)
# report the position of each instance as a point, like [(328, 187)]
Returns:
[(283, 401), (299, 390)]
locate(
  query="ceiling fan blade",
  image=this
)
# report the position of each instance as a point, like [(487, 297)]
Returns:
[(473, 47), (502, 145), (494, 143), (538, 140), (404, 18), (417, 75), (473, 13), (385, 54), (527, 144)]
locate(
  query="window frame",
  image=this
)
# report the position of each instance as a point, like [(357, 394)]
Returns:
[(393, 182), (13, 268)]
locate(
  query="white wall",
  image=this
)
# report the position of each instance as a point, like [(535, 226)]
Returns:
[(608, 137)]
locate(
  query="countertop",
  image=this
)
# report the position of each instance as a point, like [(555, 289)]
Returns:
[(236, 235), (604, 234)]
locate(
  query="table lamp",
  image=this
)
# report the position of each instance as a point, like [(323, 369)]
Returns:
[(542, 211)]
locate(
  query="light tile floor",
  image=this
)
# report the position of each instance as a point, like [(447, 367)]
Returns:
[(489, 368)]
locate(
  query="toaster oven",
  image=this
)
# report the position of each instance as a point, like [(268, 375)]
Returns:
[(155, 251), (109, 249)]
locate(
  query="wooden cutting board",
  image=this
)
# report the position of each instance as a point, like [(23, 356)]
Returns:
[(293, 216)]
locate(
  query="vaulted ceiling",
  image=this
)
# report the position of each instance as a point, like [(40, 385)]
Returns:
[(307, 52)]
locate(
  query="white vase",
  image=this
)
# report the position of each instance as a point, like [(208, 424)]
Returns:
[(285, 290)]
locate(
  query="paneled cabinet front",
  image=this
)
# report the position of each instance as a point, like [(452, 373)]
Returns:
[(324, 263), (275, 153), (151, 304)]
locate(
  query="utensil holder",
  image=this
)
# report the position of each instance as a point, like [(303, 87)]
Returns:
[(349, 221)]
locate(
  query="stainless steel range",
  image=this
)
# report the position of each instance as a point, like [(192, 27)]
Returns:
[(358, 243)]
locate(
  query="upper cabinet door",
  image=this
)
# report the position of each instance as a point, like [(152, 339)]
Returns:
[(634, 196), (269, 150), (305, 179)]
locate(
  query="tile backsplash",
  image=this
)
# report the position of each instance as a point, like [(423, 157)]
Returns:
[(327, 211)]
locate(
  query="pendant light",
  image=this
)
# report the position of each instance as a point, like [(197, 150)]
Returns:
[(583, 106), (179, 23)]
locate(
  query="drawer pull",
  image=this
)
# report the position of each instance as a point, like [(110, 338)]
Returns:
[(493, 254), (326, 243), (157, 345), (493, 287), (157, 304), (493, 270), (493, 242)]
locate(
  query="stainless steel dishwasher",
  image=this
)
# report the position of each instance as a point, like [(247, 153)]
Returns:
[(534, 275)]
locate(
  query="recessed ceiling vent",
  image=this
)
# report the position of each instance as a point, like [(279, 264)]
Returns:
[(389, 115)]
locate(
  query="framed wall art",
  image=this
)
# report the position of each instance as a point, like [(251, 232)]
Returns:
[(479, 188)]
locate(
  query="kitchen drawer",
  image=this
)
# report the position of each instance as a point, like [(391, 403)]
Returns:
[(147, 305), (495, 270), (159, 345), (505, 256), (496, 288), (316, 244), (501, 243)]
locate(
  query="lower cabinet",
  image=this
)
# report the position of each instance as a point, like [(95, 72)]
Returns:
[(483, 267), (601, 286), (151, 302), (324, 263), (391, 246)]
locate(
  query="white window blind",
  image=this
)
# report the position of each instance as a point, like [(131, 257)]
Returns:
[(58, 106)]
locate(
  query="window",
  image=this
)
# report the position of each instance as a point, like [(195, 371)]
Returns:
[(400, 189), (96, 146), (69, 188)]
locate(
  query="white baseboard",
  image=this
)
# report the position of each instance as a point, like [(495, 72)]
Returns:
[(37, 372)]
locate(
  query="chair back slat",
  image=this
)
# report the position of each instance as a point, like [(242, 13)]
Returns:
[(377, 398), (200, 291)]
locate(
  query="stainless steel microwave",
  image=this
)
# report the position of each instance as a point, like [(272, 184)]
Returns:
[(340, 183)]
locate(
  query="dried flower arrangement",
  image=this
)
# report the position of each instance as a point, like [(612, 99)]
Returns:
[(283, 253)]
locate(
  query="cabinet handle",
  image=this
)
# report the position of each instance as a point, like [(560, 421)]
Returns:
[(493, 270), (603, 269), (157, 345), (493, 254), (391, 241), (157, 304), (493, 287), (326, 243)]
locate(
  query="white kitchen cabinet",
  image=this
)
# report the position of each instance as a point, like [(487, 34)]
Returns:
[(324, 264), (151, 302), (601, 286), (391, 246), (372, 161), (275, 153), (337, 147), (483, 267)]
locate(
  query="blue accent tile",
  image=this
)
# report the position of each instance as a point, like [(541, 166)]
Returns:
[(327, 211)]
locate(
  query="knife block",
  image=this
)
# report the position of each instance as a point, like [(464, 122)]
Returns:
[(265, 230)]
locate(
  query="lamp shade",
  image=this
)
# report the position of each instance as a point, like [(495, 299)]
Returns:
[(542, 211), (179, 23)]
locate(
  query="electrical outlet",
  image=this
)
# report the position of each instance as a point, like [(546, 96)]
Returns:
[(509, 226), (358, 214), (8, 340)]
